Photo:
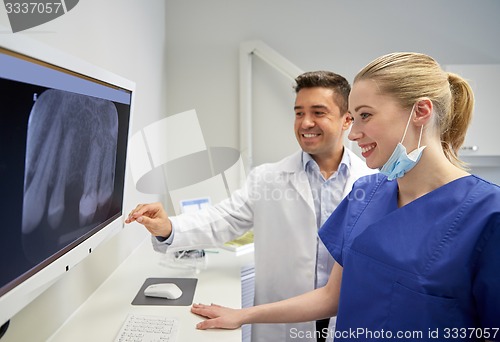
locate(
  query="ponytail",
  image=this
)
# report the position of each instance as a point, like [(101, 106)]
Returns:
[(457, 119)]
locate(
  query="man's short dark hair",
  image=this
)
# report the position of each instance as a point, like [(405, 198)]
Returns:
[(326, 79)]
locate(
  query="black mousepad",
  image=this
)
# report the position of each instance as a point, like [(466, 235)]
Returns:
[(187, 285)]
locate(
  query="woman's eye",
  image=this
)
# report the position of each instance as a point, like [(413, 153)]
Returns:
[(364, 116)]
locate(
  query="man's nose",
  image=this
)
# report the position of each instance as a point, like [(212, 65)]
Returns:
[(308, 121)]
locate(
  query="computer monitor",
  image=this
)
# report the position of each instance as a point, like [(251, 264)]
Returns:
[(64, 128)]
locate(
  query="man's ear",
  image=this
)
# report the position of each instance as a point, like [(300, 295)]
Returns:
[(347, 121), (423, 111)]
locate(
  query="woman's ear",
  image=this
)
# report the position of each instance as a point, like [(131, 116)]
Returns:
[(423, 111)]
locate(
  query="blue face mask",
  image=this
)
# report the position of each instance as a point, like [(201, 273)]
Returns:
[(400, 162)]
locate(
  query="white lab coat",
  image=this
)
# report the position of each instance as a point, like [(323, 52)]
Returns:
[(277, 203)]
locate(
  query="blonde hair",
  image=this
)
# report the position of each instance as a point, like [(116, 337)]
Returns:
[(408, 77)]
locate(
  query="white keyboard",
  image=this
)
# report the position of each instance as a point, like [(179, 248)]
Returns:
[(147, 328)]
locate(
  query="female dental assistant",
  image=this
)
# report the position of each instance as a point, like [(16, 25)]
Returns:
[(417, 247), (427, 246)]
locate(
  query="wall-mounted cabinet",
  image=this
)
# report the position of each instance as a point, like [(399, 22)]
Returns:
[(483, 136)]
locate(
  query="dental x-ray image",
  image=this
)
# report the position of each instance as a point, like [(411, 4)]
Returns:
[(69, 169)]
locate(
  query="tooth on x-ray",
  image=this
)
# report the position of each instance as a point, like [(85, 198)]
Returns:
[(70, 174)]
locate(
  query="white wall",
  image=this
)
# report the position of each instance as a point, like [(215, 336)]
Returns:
[(126, 37), (338, 35)]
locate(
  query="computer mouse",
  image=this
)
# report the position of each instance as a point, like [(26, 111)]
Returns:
[(163, 290)]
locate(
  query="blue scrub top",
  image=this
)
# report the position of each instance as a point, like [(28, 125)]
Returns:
[(426, 271)]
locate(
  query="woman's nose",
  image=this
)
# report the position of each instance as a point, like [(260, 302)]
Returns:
[(354, 134)]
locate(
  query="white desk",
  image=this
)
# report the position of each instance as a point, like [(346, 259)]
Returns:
[(102, 315)]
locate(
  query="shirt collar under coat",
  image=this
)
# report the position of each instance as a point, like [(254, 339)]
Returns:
[(344, 166)]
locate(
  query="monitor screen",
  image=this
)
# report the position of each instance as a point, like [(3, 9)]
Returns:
[(63, 149)]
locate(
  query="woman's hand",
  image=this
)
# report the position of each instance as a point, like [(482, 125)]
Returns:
[(310, 306), (218, 317)]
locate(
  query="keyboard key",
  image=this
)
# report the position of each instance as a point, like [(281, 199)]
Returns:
[(148, 328)]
